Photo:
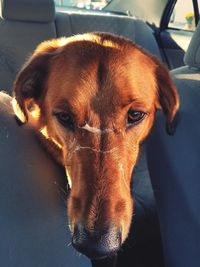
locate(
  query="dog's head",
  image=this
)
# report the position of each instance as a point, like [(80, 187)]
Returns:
[(94, 97)]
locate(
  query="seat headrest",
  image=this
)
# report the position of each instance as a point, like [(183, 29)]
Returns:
[(28, 10), (192, 56)]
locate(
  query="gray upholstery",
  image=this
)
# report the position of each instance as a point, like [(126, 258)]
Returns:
[(133, 29), (33, 223), (192, 57), (26, 23), (19, 38), (174, 166), (24, 10)]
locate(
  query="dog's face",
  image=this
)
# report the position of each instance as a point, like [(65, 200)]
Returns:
[(94, 97)]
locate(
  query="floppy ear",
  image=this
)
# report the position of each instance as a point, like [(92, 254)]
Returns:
[(168, 98), (30, 83)]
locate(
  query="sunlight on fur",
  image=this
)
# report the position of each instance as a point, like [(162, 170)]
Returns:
[(44, 132), (17, 110)]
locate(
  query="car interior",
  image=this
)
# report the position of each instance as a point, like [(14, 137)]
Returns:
[(33, 188)]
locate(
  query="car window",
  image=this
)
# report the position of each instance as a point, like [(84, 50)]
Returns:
[(85, 4), (183, 16)]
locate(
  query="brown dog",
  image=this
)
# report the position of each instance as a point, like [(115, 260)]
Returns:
[(94, 97)]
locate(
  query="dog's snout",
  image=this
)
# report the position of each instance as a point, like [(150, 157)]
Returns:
[(96, 244)]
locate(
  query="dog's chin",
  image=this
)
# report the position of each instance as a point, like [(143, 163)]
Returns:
[(104, 258), (94, 257)]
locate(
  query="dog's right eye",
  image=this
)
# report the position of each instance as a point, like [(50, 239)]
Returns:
[(65, 119)]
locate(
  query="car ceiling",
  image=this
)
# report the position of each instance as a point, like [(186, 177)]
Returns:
[(148, 10)]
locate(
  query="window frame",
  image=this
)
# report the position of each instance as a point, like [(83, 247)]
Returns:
[(165, 19)]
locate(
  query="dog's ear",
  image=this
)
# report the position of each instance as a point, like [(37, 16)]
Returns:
[(168, 98), (30, 83)]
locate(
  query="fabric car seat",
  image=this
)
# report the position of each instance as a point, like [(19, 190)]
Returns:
[(174, 166)]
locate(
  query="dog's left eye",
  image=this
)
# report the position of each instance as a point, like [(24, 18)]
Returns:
[(65, 119), (134, 117)]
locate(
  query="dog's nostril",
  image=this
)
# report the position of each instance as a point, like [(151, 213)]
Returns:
[(96, 244)]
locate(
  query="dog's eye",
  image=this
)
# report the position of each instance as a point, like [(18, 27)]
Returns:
[(134, 117), (65, 119)]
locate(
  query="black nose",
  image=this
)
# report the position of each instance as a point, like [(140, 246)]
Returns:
[(96, 244)]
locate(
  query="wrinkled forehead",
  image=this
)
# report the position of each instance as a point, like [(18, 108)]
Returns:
[(90, 74)]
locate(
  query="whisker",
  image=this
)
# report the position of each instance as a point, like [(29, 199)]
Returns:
[(78, 254), (70, 243), (61, 188)]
